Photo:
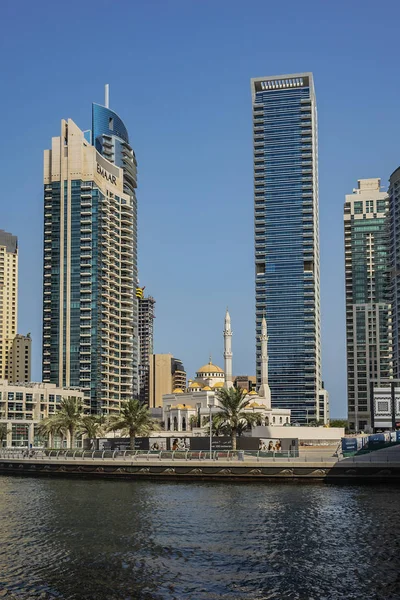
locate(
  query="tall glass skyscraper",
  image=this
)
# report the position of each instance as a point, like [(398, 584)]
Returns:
[(90, 272), (368, 309), (287, 239)]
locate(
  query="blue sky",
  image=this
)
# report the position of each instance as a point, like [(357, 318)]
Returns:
[(179, 75)]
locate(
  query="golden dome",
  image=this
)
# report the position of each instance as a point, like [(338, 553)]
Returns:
[(182, 406), (177, 391), (219, 384), (195, 384), (245, 391), (253, 405), (207, 388), (253, 393), (210, 368)]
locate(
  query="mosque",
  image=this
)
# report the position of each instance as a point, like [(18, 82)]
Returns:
[(183, 410)]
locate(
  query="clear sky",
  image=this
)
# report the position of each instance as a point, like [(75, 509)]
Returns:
[(179, 74)]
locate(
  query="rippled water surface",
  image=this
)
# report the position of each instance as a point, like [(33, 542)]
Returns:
[(72, 539)]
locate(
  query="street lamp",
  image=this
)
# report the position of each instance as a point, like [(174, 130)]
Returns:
[(210, 405)]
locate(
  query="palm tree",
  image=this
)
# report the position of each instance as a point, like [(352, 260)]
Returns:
[(232, 405), (91, 425), (65, 420), (3, 433), (134, 419), (219, 426), (48, 427)]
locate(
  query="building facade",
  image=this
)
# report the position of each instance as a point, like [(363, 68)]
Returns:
[(394, 257), (166, 374), (368, 308), (8, 298), (287, 239), (23, 406), (146, 340), (385, 405), (20, 360), (89, 303)]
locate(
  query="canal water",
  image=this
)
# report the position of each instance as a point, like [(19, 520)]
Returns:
[(73, 539)]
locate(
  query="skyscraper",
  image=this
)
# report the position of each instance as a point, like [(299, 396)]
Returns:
[(145, 328), (287, 239), (8, 299), (89, 304), (368, 310), (394, 252)]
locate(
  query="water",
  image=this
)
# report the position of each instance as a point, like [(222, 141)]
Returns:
[(74, 539)]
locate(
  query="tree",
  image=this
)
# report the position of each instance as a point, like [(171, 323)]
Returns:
[(134, 420), (193, 421), (339, 423), (91, 425), (232, 405), (219, 426), (3, 433), (66, 420)]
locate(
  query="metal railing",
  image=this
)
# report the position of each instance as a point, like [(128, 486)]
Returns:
[(151, 455)]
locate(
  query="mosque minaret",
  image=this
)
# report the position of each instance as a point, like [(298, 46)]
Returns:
[(228, 351), (264, 390)]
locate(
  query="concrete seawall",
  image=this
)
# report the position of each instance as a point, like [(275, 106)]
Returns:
[(250, 470)]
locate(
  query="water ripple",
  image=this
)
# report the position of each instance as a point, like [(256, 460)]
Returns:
[(84, 540)]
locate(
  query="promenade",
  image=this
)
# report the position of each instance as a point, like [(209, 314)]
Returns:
[(375, 466)]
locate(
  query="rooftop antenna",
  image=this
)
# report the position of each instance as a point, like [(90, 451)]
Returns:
[(106, 95)]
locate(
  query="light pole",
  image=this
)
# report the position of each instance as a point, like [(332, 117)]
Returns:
[(210, 407)]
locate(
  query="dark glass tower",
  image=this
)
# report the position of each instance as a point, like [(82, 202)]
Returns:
[(287, 239)]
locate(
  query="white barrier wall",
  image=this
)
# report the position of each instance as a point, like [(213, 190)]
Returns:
[(304, 434)]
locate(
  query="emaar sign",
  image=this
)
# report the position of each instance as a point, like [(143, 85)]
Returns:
[(111, 178)]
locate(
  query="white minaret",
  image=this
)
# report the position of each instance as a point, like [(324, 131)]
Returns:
[(264, 390), (228, 351)]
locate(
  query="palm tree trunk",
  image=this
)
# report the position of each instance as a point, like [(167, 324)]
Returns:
[(132, 441), (71, 437), (233, 439)]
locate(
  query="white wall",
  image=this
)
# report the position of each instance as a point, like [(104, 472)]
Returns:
[(302, 433)]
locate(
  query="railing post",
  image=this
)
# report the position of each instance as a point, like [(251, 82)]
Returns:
[(113, 456), (102, 454), (186, 457), (173, 454)]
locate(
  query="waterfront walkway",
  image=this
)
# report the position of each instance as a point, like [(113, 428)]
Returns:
[(381, 465)]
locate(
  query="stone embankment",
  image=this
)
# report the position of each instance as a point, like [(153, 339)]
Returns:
[(382, 465)]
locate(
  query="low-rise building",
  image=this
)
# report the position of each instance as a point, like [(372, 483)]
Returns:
[(24, 405)]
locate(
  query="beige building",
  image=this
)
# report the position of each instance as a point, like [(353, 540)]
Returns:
[(89, 264), (20, 359), (23, 406), (166, 374), (8, 298)]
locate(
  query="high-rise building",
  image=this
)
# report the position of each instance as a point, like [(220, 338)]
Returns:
[(287, 239), (145, 329), (368, 310), (89, 304), (166, 374), (20, 359), (394, 258), (8, 298)]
